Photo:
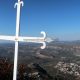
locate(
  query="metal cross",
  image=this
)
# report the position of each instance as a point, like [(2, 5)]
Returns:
[(18, 38)]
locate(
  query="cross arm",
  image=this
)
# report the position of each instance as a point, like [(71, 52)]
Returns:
[(26, 39), (22, 39), (34, 40), (11, 38), (31, 39)]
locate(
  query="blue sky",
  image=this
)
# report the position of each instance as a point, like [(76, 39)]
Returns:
[(58, 18)]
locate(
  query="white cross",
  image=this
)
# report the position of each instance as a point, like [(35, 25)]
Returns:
[(18, 38)]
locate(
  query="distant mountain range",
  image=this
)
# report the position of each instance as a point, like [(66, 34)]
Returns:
[(65, 42)]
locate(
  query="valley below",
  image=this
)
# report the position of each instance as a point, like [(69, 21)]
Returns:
[(59, 61)]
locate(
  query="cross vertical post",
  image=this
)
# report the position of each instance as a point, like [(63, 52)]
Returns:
[(16, 39)]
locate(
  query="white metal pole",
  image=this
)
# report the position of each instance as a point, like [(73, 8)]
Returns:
[(16, 41)]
